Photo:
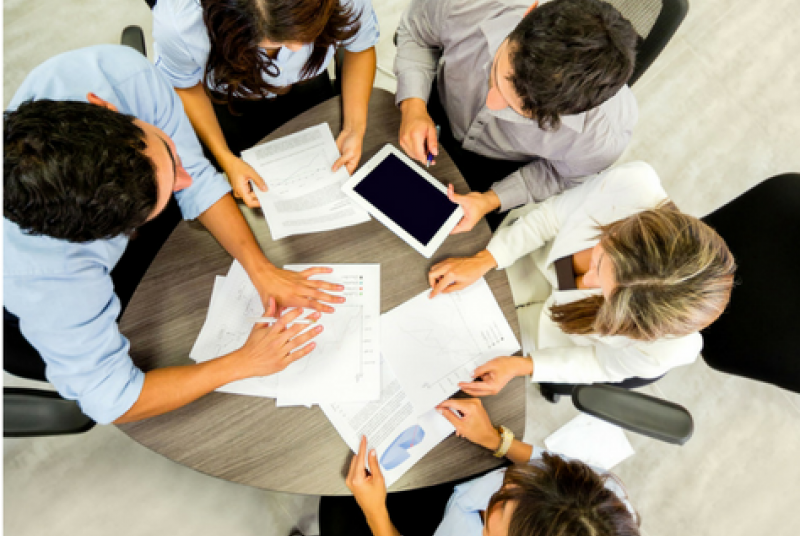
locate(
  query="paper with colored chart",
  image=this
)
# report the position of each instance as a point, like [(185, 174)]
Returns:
[(400, 437)]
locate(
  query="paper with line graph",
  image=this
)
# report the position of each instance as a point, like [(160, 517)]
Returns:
[(431, 345), (345, 365), (304, 195)]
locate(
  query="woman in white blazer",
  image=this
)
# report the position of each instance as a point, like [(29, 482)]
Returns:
[(645, 279)]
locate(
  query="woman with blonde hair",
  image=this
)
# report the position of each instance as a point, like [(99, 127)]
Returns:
[(612, 282)]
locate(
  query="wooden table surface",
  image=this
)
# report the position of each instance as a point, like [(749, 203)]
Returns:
[(247, 439)]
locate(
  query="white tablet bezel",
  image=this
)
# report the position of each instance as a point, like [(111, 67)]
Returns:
[(441, 235)]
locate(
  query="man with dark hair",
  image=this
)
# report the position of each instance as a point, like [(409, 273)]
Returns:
[(95, 144), (528, 101)]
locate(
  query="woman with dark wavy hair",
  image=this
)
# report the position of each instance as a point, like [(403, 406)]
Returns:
[(612, 284), (542, 494), (244, 67)]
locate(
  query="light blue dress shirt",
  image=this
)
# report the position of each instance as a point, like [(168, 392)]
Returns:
[(61, 291), (182, 45), (462, 514)]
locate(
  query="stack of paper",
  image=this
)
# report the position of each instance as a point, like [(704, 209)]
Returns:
[(592, 441), (344, 366), (304, 195)]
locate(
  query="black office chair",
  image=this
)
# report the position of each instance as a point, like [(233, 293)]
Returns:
[(757, 337), (656, 21)]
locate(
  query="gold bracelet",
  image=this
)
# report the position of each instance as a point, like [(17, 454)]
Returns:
[(506, 438)]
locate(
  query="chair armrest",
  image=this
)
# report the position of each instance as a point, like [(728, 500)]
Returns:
[(637, 412), (133, 36), (34, 412)]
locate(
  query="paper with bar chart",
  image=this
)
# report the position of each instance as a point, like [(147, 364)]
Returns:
[(304, 195), (433, 344)]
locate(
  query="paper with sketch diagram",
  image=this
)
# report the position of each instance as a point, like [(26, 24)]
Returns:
[(400, 437), (304, 195), (344, 366), (432, 345)]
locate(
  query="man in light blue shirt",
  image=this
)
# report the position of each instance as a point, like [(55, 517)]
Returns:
[(95, 142)]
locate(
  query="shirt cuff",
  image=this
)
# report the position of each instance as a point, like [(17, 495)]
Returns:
[(413, 84), (511, 191)]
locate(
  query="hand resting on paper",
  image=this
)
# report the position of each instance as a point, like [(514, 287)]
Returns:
[(492, 376), (471, 421), (240, 173), (458, 273), (296, 289), (272, 348)]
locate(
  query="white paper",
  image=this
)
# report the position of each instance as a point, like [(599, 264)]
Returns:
[(433, 344), (343, 367), (591, 440), (304, 195), (400, 437)]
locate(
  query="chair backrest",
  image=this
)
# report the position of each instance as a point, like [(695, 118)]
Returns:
[(758, 335), (656, 22), (34, 412)]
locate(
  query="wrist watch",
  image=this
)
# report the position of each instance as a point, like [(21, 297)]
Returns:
[(506, 438)]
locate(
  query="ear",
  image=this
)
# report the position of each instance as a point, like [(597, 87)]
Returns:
[(533, 6), (97, 101)]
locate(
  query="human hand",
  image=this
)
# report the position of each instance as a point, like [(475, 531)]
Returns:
[(295, 289), (471, 421), (459, 272), (369, 488), (417, 134), (239, 175), (349, 144), (492, 376), (476, 205), (271, 348)]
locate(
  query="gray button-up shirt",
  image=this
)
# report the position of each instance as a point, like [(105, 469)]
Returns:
[(455, 42)]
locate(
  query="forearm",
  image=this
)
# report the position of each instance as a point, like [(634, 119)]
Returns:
[(380, 524), (170, 388), (358, 76), (200, 111), (225, 222)]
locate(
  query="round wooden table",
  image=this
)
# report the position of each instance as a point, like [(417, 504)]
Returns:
[(247, 439)]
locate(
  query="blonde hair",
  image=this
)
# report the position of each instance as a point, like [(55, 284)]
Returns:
[(673, 276)]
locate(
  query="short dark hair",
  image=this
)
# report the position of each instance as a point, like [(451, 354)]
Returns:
[(569, 56), (556, 497), (76, 171)]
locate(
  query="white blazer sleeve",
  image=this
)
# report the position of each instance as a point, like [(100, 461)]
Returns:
[(609, 363)]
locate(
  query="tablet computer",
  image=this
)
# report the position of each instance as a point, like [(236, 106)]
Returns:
[(405, 198)]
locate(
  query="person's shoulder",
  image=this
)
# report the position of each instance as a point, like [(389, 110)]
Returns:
[(180, 13), (638, 176)]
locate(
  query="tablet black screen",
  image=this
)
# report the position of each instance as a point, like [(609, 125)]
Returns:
[(406, 198)]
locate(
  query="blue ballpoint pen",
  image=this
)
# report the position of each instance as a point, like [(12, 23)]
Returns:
[(429, 160)]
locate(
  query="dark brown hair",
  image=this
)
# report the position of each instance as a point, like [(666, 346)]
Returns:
[(569, 56), (235, 28), (673, 276), (559, 498)]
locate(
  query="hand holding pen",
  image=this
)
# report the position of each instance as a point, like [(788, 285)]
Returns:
[(429, 159)]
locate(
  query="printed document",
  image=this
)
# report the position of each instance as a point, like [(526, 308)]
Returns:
[(304, 195), (433, 344), (400, 437), (343, 367), (591, 440)]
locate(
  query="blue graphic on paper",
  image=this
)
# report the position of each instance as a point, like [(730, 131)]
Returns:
[(397, 452)]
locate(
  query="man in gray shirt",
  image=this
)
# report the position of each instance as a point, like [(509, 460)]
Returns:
[(529, 100)]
